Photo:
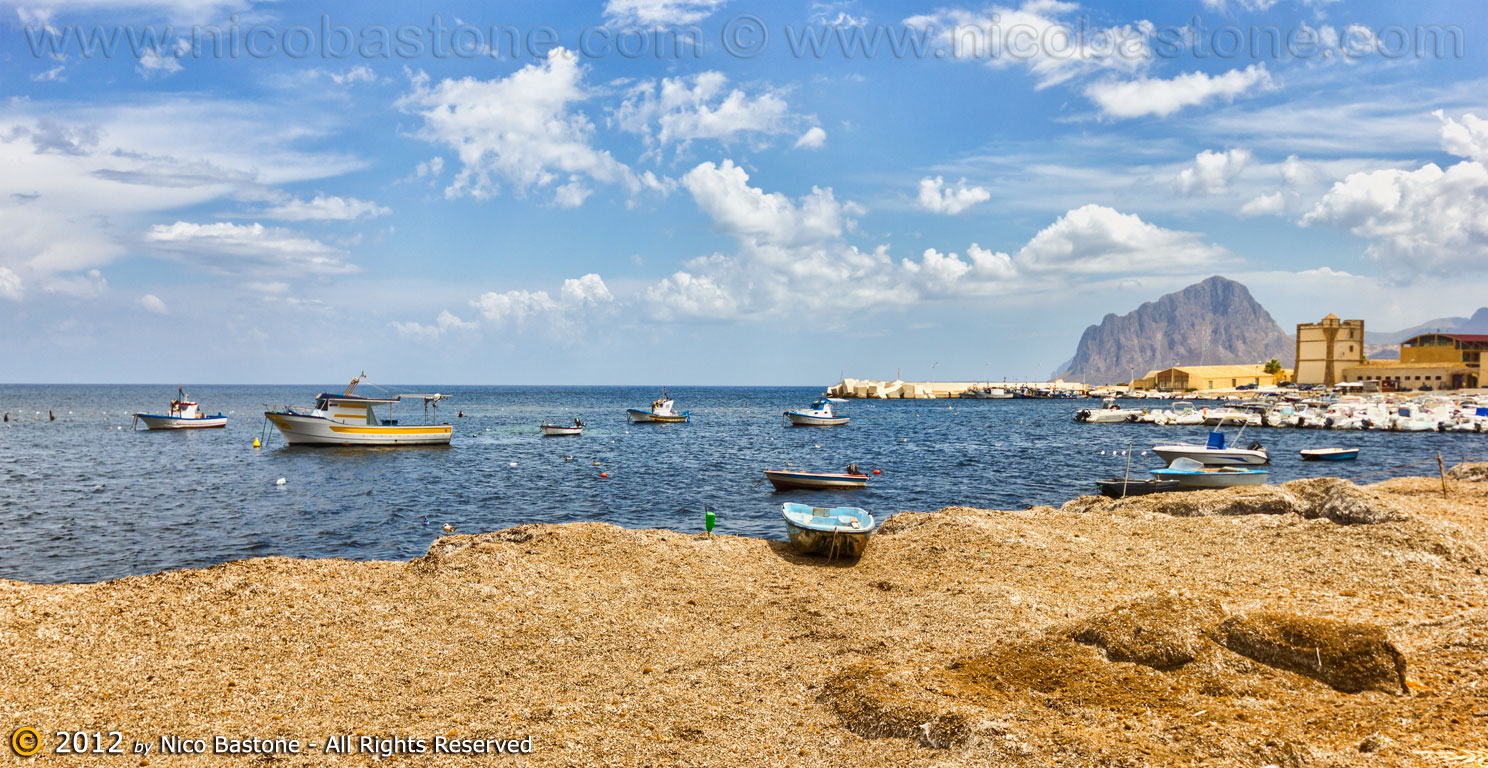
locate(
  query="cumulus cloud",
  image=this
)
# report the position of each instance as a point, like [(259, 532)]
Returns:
[(723, 192), (655, 13), (521, 130), (936, 197), (447, 322), (814, 138), (152, 303), (1468, 138), (701, 106), (1049, 52), (11, 286), (520, 308), (238, 248), (1268, 204), (1095, 239), (1211, 171), (324, 208), (1155, 96)]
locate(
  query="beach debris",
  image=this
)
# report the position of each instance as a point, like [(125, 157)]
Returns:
[(1330, 498), (1160, 632), (1348, 656)]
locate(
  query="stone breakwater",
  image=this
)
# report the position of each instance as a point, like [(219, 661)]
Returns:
[(1315, 623)]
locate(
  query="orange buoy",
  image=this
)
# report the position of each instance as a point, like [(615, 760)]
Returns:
[(877, 471), (604, 474)]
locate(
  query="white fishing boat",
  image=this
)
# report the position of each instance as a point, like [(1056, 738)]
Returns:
[(662, 411), (563, 430), (822, 413), (349, 419), (1108, 413), (1191, 474), (1214, 453), (183, 414)]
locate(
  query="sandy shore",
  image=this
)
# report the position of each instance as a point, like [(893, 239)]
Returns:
[(1145, 632)]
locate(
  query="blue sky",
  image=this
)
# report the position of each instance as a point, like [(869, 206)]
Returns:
[(683, 191)]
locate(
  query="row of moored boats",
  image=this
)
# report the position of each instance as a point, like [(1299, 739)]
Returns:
[(1432, 414)]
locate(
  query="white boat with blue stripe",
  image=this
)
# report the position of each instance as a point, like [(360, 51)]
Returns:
[(822, 413), (183, 414), (1214, 453)]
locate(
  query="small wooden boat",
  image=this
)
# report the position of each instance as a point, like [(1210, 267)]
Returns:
[(1192, 474), (1119, 488), (1329, 454), (835, 532), (183, 414), (663, 411), (785, 479), (822, 413), (559, 430)]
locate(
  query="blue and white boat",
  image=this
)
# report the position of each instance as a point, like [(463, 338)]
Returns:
[(1329, 454), (183, 414), (1191, 474), (1214, 453), (662, 411), (835, 532), (822, 413)]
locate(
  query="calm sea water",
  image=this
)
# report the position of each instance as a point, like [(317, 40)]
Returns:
[(83, 500)]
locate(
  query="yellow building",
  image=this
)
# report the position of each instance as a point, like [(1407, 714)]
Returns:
[(1435, 360), (1326, 347), (1206, 377)]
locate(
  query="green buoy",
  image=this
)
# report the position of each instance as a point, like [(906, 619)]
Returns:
[(708, 519)]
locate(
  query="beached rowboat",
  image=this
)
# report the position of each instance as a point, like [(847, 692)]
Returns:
[(835, 532)]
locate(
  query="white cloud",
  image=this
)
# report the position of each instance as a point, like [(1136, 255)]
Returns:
[(936, 197), (1048, 50), (1468, 138), (1155, 96), (1096, 239), (1269, 204), (57, 74), (11, 286), (152, 303), (324, 208), (723, 192), (519, 130), (654, 13), (360, 73), (1427, 220), (813, 138), (521, 308), (238, 248), (447, 322), (701, 106), (1212, 171)]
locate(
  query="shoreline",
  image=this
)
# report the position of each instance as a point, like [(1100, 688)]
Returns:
[(955, 640)]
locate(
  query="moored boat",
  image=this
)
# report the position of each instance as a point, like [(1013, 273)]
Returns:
[(1191, 474), (563, 430), (1329, 454), (183, 414), (349, 419), (1119, 487), (1213, 453), (785, 479), (663, 411), (835, 532), (822, 413)]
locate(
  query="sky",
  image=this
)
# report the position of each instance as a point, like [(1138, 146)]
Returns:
[(713, 192)]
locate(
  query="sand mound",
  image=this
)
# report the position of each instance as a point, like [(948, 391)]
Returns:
[(876, 703), (1349, 656), (1472, 473), (1160, 632), (1328, 498)]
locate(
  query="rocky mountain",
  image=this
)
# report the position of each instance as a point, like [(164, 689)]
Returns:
[(1214, 322)]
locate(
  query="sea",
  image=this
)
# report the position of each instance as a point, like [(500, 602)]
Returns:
[(85, 498)]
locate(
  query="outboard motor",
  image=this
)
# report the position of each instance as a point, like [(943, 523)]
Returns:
[(1256, 446), (1082, 415)]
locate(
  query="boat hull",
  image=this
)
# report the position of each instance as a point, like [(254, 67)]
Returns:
[(562, 431), (1212, 478), (835, 543), (1210, 456), (836, 532), (314, 430), (1115, 489), (156, 421), (807, 420), (638, 416), (814, 480), (1330, 454)]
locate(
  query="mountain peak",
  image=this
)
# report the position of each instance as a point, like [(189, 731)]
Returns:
[(1212, 322)]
